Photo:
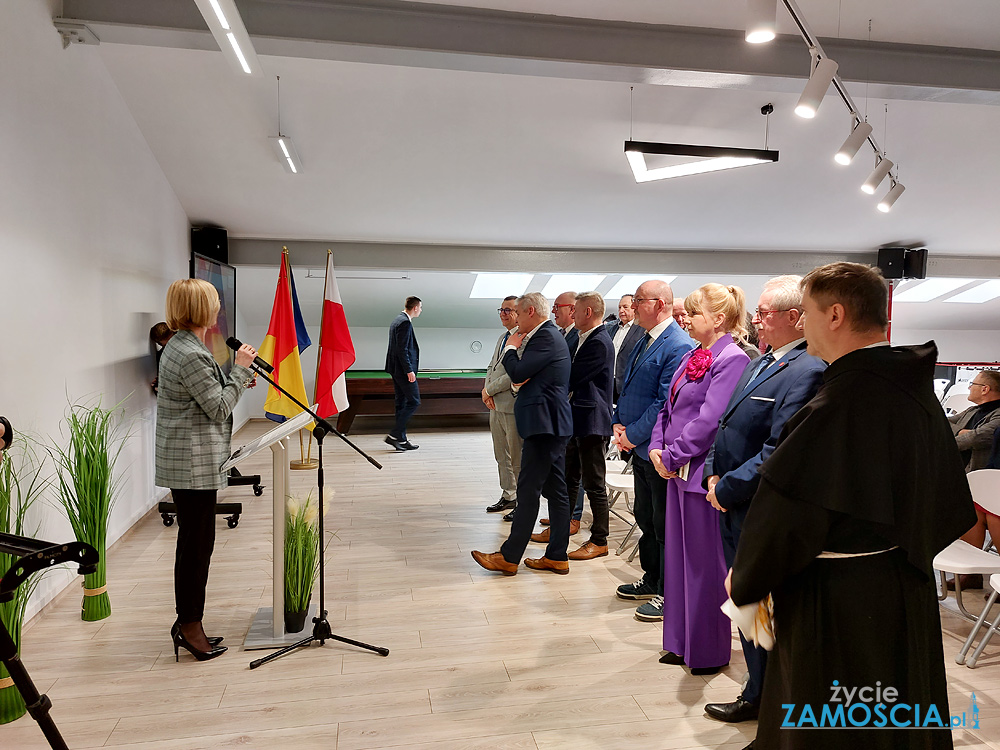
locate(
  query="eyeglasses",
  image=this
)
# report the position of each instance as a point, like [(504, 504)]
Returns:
[(556, 307), (761, 314), (981, 385), (638, 300), (506, 310)]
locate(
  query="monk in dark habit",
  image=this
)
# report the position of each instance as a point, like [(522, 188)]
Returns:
[(865, 486)]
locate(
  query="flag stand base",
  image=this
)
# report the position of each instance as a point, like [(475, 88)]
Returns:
[(306, 463)]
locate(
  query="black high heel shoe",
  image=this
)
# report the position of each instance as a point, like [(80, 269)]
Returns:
[(181, 641), (213, 640)]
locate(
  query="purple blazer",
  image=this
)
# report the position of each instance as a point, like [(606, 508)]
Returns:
[(685, 429)]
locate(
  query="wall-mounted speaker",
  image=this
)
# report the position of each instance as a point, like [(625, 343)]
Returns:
[(212, 242), (902, 263)]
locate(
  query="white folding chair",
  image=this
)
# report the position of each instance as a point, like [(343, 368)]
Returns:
[(971, 662), (940, 386), (621, 484), (956, 402), (961, 558)]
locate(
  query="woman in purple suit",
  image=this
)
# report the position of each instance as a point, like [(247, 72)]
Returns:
[(695, 632)]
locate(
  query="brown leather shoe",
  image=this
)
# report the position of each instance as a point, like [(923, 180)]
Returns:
[(588, 552), (541, 537), (543, 563), (495, 562), (574, 527)]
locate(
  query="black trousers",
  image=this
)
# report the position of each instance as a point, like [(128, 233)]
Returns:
[(650, 513), (407, 401), (195, 542), (543, 470), (585, 458), (730, 526)]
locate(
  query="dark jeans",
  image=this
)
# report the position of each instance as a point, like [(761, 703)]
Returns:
[(407, 401), (585, 457), (730, 526), (543, 469), (650, 513), (195, 542)]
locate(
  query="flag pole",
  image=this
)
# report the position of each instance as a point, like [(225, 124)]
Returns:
[(319, 348), (305, 462)]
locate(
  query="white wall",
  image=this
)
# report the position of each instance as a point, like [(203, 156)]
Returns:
[(953, 346), (91, 235), (439, 348)]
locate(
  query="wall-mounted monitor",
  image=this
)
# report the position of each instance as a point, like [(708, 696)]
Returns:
[(223, 277)]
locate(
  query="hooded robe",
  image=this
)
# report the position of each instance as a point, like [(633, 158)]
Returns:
[(869, 465)]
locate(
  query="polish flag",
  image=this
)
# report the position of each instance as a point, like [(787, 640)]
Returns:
[(336, 349)]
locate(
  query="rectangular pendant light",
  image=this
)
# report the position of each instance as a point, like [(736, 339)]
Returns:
[(706, 159), (230, 34), (286, 152)]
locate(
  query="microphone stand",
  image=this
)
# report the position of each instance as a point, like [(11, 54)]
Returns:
[(321, 626)]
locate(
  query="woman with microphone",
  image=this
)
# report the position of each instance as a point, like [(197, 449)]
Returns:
[(194, 424)]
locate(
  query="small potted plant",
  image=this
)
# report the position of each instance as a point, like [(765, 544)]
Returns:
[(21, 482), (302, 550), (88, 488)]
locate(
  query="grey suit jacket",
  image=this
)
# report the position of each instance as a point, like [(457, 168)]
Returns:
[(194, 415), (498, 381), (979, 442)]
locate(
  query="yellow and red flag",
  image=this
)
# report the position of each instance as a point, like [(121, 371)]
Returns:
[(281, 349), (336, 349)]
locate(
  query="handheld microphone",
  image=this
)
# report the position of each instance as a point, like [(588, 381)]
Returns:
[(234, 343)]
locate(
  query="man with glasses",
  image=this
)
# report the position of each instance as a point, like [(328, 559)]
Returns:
[(974, 429), (771, 390), (625, 334), (651, 366), (562, 311), (498, 396)]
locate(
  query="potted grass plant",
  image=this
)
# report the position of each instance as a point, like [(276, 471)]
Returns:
[(301, 559), (88, 488), (21, 482)]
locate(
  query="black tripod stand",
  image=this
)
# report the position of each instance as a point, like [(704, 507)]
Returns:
[(321, 626), (35, 555)]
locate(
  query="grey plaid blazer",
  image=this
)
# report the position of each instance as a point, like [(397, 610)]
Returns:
[(194, 415)]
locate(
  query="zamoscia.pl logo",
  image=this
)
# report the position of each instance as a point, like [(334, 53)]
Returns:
[(873, 707)]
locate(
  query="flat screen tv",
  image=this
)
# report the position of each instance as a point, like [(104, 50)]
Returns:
[(223, 277)]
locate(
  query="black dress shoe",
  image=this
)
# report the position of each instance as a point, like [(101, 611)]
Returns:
[(671, 658), (501, 505), (510, 516), (408, 446), (707, 670), (397, 444), (737, 711)]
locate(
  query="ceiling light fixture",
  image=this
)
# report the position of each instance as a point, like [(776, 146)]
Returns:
[(499, 285), (629, 283), (882, 167), (571, 282), (226, 25), (854, 142), (761, 22), (282, 144), (894, 192), (823, 71)]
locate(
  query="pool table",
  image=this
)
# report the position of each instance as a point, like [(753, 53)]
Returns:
[(450, 392)]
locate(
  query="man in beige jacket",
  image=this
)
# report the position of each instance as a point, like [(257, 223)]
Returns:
[(499, 397)]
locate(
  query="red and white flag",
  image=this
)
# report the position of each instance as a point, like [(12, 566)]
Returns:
[(336, 349)]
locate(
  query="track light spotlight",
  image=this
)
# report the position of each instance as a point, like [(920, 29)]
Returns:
[(761, 25), (854, 142), (815, 90), (894, 192), (878, 174)]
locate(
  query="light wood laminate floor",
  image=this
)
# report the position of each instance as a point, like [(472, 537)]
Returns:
[(478, 661)]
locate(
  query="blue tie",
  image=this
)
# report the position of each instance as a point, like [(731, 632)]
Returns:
[(766, 361), (505, 337)]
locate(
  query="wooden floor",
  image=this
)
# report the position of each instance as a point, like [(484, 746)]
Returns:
[(478, 661)]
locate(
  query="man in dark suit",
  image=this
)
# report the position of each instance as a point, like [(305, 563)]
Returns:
[(402, 361), (625, 334), (545, 424), (771, 390), (647, 381), (591, 385), (562, 312)]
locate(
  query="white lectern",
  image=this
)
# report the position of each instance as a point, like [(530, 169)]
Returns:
[(268, 627)]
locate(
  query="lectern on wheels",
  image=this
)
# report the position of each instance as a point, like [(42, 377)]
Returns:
[(35, 555), (268, 627)]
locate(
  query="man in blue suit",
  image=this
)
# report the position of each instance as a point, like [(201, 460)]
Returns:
[(591, 382), (545, 424), (771, 390), (647, 381), (402, 361)]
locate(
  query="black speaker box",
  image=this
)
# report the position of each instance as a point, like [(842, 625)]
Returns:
[(915, 264), (891, 262), (212, 242)]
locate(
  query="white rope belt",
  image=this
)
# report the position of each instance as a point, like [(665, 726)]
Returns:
[(844, 555)]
